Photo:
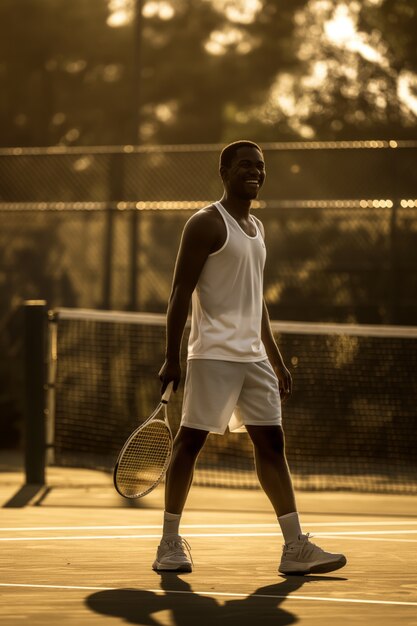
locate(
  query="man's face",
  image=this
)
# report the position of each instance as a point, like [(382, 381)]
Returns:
[(246, 175)]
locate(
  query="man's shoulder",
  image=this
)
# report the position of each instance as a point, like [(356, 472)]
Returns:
[(206, 228), (259, 225), (207, 217), (207, 213)]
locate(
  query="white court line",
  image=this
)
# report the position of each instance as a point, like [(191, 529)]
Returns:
[(368, 532), (217, 594), (158, 536), (396, 539), (159, 526)]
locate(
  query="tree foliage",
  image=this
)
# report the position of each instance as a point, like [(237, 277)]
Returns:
[(206, 70)]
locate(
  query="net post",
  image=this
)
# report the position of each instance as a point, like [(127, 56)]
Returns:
[(52, 362), (34, 370)]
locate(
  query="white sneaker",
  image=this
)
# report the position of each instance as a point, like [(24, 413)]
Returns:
[(304, 557), (173, 555)]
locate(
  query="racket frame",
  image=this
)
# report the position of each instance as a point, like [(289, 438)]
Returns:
[(153, 417)]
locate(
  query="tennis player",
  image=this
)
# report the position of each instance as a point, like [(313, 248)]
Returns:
[(236, 376)]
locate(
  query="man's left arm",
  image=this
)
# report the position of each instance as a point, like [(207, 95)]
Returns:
[(274, 356)]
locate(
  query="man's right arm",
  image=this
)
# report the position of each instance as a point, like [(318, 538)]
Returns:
[(198, 240)]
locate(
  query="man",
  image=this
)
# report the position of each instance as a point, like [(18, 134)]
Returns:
[(235, 374)]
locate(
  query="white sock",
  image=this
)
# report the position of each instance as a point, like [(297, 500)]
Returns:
[(171, 524), (290, 527)]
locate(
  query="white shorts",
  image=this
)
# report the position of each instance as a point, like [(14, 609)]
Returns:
[(218, 394)]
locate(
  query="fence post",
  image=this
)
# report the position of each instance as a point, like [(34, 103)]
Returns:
[(115, 191), (34, 354), (137, 102), (107, 258), (134, 243), (394, 290)]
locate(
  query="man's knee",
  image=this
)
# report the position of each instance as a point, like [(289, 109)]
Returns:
[(190, 440), (267, 439)]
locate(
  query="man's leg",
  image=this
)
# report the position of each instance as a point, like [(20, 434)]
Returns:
[(187, 446), (172, 552), (272, 467), (300, 556)]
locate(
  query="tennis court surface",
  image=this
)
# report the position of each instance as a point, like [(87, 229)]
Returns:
[(77, 553)]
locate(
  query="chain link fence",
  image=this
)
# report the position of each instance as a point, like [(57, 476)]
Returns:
[(100, 227)]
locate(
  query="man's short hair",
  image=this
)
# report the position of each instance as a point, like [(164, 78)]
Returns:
[(228, 153)]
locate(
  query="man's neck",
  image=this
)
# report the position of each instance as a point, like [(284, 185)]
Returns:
[(237, 207)]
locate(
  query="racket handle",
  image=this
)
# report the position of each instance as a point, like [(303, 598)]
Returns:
[(167, 393)]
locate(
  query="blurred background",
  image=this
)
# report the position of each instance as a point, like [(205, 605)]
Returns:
[(112, 116), (111, 72)]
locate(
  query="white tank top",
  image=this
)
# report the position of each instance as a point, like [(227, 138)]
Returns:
[(227, 301)]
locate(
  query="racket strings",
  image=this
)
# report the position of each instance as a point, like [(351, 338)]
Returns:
[(145, 459)]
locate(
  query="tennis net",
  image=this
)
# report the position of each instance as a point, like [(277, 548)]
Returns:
[(350, 423)]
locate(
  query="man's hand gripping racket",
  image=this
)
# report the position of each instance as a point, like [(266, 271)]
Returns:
[(145, 457)]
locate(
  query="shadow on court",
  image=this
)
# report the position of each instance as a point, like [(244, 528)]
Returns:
[(187, 608)]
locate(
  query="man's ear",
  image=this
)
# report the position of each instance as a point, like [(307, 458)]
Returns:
[(223, 172)]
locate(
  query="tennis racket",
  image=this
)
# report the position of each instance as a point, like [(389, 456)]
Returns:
[(144, 458)]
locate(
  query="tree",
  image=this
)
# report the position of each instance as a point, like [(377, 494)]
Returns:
[(209, 70), (355, 78)]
